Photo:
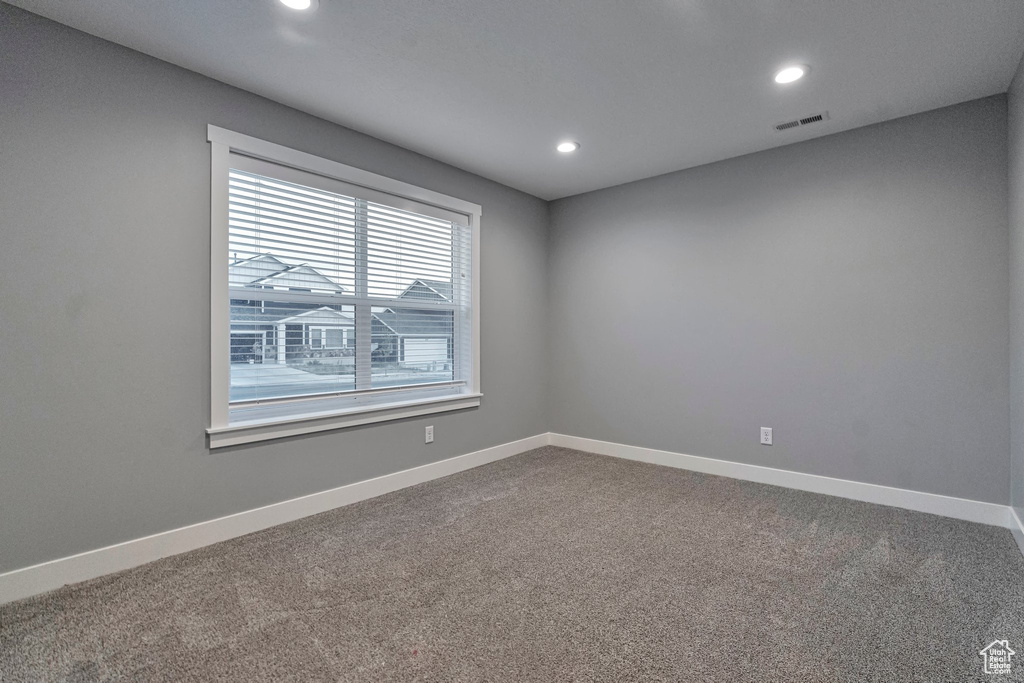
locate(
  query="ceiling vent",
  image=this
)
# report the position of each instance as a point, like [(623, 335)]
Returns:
[(806, 121)]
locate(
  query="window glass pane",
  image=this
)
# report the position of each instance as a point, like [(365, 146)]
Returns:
[(298, 253), (271, 353), (288, 237), (334, 337), (411, 346), (409, 255)]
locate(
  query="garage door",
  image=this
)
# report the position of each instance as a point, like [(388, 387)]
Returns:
[(419, 351)]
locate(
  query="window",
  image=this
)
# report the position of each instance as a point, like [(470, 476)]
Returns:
[(332, 337), (338, 297)]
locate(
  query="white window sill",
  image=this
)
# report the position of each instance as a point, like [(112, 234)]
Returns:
[(265, 429)]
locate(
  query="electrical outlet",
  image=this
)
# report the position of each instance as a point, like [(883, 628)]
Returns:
[(429, 434), (766, 436)]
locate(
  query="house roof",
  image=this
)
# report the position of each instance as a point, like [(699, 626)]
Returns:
[(417, 323), (268, 270), (403, 323), (325, 315), (288, 314), (247, 313), (429, 290)]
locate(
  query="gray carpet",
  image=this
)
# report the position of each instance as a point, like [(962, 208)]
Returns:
[(554, 565)]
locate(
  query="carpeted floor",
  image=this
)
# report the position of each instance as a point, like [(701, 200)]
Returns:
[(554, 565)]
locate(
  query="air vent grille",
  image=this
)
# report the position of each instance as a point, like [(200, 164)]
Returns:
[(807, 120)]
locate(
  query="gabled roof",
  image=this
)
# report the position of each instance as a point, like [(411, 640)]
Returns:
[(300, 277), (428, 290), (267, 270), (289, 315), (245, 271), (325, 315), (418, 323), (378, 322)]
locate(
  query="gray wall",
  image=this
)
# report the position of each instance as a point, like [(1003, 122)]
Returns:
[(849, 291), (104, 332), (1016, 173)]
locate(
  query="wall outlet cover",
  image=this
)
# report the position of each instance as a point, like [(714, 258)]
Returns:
[(766, 436)]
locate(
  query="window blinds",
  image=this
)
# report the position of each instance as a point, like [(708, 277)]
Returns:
[(338, 290)]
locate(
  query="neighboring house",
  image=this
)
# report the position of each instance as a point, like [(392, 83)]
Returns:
[(422, 337), (262, 332)]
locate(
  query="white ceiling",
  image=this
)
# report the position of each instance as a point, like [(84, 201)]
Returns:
[(646, 87)]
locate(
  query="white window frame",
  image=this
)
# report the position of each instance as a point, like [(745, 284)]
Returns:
[(328, 414)]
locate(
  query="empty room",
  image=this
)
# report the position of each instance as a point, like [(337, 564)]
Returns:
[(381, 340)]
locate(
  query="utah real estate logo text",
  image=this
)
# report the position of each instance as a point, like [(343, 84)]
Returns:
[(997, 657)]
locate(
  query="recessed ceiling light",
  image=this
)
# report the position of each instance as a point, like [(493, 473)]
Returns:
[(790, 74), (567, 146), (299, 4)]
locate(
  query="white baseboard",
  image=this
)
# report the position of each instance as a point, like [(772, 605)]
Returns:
[(1017, 527), (40, 578), (947, 506)]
